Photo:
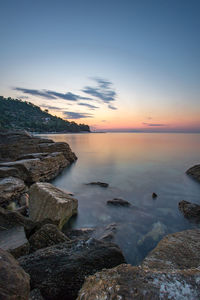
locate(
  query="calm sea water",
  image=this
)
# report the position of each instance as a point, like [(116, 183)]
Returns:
[(135, 165)]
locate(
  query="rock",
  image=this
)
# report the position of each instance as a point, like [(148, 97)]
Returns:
[(10, 189), (40, 168), (190, 210), (101, 184), (24, 200), (47, 235), (35, 295), (127, 282), (118, 201), (59, 271), (14, 144), (8, 171), (179, 250), (81, 233), (9, 219), (194, 172), (154, 195), (47, 201), (14, 282)]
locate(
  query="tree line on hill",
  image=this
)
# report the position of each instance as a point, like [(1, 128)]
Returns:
[(18, 114)]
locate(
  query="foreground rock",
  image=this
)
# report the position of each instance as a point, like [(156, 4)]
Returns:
[(59, 271), (194, 172), (127, 282), (14, 282), (15, 144), (190, 210), (40, 167), (180, 250), (170, 271), (47, 201), (47, 235), (11, 188), (118, 202), (101, 184)]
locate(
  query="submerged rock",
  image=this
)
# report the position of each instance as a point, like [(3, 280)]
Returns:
[(118, 202), (194, 172), (46, 236), (156, 233), (10, 189), (47, 201), (128, 282), (59, 271), (190, 210), (14, 282), (101, 184)]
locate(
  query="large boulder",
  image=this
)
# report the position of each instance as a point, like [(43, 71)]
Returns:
[(127, 282), (47, 201), (59, 271), (47, 235), (14, 282), (180, 250), (38, 167), (11, 188), (170, 271), (194, 172), (190, 210), (14, 144)]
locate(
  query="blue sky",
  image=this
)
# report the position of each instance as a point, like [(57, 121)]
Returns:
[(148, 51)]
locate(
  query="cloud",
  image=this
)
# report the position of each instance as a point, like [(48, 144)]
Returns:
[(102, 91), (153, 125), (52, 94), (112, 107), (40, 93), (76, 115), (51, 107), (88, 105)]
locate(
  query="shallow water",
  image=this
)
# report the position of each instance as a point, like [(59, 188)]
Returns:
[(135, 165)]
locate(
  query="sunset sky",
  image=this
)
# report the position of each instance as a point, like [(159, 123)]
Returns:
[(115, 65)]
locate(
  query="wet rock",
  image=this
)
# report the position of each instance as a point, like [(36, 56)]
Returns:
[(14, 144), (24, 200), (59, 271), (190, 210), (14, 282), (35, 295), (10, 189), (179, 250), (118, 202), (81, 233), (47, 201), (41, 168), (127, 282), (46, 236), (154, 195), (101, 184), (194, 172)]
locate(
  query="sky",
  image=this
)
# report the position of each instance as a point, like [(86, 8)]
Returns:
[(123, 65)]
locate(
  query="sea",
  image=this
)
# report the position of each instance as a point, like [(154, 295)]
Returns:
[(135, 165)]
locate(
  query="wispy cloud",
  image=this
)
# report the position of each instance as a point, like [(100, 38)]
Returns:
[(51, 107), (88, 105), (77, 115), (153, 124), (103, 91), (52, 94), (112, 107)]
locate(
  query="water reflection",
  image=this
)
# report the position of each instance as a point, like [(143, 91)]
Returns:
[(135, 165)]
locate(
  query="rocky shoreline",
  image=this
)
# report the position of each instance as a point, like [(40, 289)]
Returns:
[(39, 261)]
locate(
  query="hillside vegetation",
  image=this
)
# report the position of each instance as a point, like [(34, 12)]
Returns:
[(18, 114)]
